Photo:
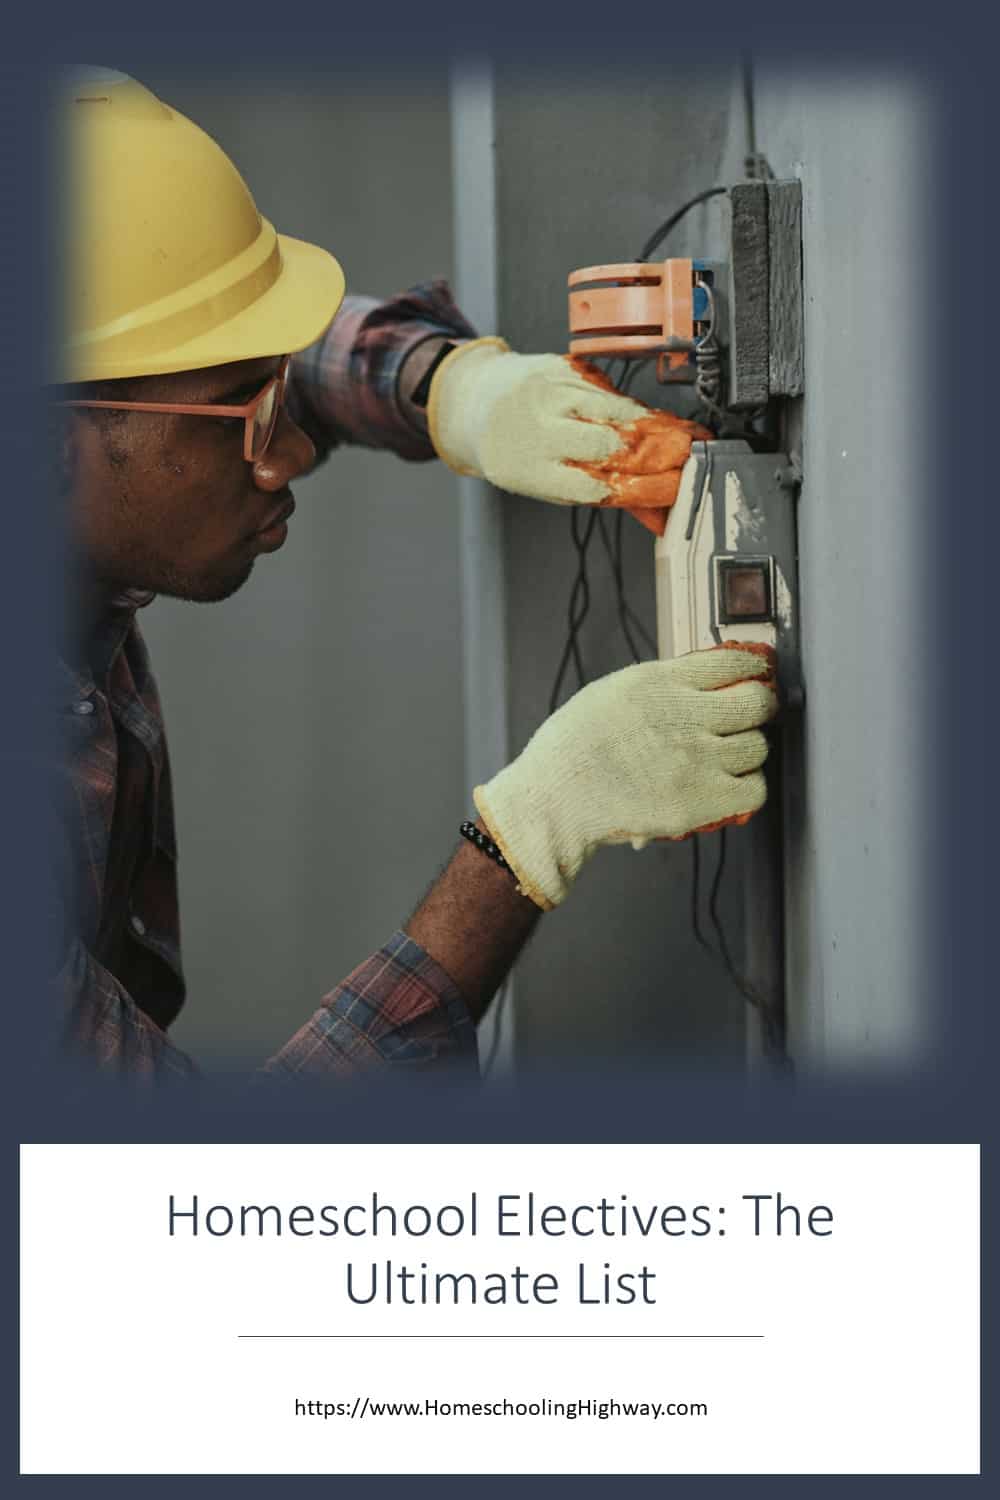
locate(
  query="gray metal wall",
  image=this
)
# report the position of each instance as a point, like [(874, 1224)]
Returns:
[(858, 856)]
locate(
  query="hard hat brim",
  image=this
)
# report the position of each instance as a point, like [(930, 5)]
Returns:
[(292, 314)]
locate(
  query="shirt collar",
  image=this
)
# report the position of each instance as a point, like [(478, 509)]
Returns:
[(78, 682)]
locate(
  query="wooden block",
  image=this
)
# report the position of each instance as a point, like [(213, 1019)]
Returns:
[(786, 372), (749, 308)]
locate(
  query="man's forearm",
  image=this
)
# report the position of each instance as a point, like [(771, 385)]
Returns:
[(474, 923), (411, 373)]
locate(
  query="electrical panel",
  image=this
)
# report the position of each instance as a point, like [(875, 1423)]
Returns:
[(725, 566)]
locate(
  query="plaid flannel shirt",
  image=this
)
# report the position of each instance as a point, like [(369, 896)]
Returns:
[(119, 975)]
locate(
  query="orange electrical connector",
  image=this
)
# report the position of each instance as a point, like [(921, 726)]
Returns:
[(633, 309)]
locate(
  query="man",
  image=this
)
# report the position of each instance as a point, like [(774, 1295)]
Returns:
[(189, 323)]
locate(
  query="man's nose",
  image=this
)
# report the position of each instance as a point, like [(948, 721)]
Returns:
[(289, 453)]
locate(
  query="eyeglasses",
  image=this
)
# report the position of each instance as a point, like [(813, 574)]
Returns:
[(260, 413)]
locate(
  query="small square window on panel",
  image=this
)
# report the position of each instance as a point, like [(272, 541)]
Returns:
[(744, 589)]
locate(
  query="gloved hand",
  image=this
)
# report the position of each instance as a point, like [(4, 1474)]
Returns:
[(553, 427), (659, 750)]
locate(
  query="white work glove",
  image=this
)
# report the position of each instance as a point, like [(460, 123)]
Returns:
[(554, 428), (656, 751)]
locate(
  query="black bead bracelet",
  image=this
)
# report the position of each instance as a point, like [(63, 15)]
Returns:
[(483, 841)]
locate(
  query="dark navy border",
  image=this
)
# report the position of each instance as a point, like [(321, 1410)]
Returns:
[(954, 1101)]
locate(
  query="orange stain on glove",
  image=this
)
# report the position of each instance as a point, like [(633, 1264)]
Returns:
[(644, 473), (767, 654)]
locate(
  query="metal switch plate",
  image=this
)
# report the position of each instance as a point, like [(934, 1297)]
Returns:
[(726, 566)]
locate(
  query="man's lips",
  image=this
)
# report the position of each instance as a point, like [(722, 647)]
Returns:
[(278, 515)]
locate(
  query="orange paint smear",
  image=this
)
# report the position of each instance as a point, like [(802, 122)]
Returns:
[(756, 648), (646, 469), (590, 372), (738, 818), (644, 473)]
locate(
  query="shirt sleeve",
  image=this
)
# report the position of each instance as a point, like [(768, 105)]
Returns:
[(344, 388), (398, 1007), (104, 1025)]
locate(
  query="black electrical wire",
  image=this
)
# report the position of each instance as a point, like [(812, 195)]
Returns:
[(746, 71), (659, 235), (579, 605), (578, 608), (707, 350), (626, 375), (627, 617), (722, 950), (755, 163), (626, 614), (621, 602), (713, 904), (696, 896), (769, 1022)]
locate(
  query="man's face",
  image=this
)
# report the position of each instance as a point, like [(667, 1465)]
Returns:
[(167, 502)]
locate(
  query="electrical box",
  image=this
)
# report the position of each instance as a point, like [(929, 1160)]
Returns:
[(726, 564), (637, 308)]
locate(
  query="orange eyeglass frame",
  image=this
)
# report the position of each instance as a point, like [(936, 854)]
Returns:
[(248, 411)]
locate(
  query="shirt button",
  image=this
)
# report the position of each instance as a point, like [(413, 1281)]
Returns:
[(85, 706), (138, 926)]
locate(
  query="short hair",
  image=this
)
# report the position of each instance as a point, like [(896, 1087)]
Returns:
[(100, 390)]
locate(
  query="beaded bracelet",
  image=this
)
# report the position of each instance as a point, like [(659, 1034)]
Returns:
[(482, 841)]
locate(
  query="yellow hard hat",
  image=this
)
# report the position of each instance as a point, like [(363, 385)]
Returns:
[(167, 264)]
